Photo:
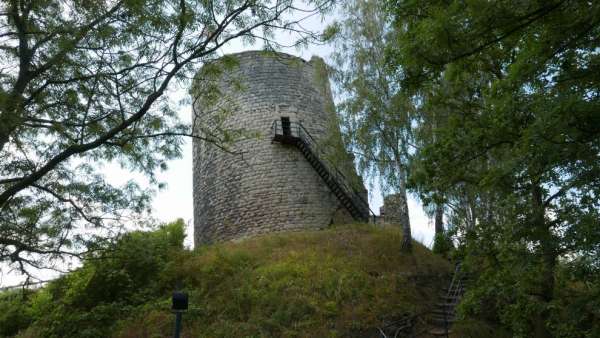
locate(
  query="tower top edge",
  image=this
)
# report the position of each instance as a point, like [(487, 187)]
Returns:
[(267, 54)]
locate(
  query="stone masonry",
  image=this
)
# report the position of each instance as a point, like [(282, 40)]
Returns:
[(390, 212), (262, 186)]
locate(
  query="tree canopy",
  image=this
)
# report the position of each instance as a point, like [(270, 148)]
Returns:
[(377, 117), (497, 103), (515, 90), (83, 83)]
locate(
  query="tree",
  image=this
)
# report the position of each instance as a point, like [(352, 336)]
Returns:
[(83, 83), (376, 116), (519, 84)]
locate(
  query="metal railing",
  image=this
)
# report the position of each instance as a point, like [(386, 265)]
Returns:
[(296, 131), (454, 293), (408, 323)]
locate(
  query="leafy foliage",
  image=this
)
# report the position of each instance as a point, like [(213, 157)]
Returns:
[(15, 313), (511, 92), (82, 85), (88, 302), (377, 118), (335, 282), (442, 244)]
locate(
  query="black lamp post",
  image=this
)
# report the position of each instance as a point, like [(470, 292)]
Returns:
[(180, 305)]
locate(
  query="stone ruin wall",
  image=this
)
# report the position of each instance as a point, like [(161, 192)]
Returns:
[(389, 213), (269, 186)]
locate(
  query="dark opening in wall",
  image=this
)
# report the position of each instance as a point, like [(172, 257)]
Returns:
[(286, 126)]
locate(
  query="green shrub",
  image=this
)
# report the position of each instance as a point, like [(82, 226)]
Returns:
[(442, 244), (15, 312), (111, 285), (327, 283)]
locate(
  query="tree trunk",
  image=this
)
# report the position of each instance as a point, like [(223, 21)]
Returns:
[(439, 218), (404, 217), (547, 261)]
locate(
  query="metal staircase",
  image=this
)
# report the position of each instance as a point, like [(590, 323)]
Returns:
[(445, 313), (436, 323), (293, 133)]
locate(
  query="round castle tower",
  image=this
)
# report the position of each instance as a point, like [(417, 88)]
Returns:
[(281, 111)]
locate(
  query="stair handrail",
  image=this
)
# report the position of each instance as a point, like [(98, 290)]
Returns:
[(455, 288), (456, 284), (453, 293), (332, 169), (311, 142)]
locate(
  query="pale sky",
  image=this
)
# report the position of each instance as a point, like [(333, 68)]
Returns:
[(175, 201)]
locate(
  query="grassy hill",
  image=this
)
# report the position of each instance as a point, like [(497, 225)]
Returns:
[(342, 282)]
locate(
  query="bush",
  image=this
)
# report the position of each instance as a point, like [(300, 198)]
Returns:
[(335, 282), (91, 300), (15, 313), (442, 244)]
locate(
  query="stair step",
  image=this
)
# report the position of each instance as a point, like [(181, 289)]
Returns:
[(441, 319), (441, 326), (441, 312), (439, 332), (448, 317), (331, 180), (453, 298), (445, 294), (458, 293)]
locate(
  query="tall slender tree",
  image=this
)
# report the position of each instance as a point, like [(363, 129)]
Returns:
[(377, 117)]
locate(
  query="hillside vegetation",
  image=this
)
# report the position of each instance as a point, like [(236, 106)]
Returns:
[(344, 281)]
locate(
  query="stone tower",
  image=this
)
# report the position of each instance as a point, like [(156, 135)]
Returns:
[(268, 183)]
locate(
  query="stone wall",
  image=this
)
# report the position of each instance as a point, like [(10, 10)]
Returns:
[(390, 212), (263, 186)]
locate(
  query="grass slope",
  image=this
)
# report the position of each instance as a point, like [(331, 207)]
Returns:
[(342, 282)]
